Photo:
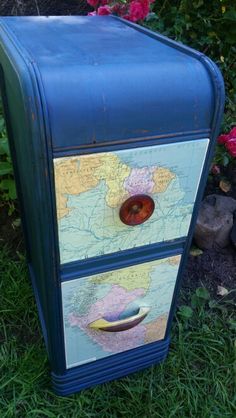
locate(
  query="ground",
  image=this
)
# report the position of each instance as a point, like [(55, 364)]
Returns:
[(43, 7)]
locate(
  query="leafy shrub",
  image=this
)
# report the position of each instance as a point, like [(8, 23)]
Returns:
[(209, 27), (7, 184)]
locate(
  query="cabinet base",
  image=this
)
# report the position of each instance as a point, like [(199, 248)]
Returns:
[(114, 367)]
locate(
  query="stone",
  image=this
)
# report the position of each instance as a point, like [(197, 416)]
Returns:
[(215, 222)]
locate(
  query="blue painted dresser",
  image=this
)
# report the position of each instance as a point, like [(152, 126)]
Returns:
[(112, 130)]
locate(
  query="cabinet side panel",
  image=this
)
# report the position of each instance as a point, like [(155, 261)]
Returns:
[(29, 154)]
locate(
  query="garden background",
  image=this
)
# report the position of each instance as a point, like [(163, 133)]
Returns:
[(197, 379)]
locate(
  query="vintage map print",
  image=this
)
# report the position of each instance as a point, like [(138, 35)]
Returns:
[(113, 296), (90, 190)]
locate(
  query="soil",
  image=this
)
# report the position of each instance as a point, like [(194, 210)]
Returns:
[(217, 267), (211, 269), (43, 7)]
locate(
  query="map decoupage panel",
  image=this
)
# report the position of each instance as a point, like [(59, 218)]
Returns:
[(115, 296), (90, 190)]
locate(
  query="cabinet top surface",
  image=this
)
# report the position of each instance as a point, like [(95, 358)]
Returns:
[(106, 80), (89, 40)]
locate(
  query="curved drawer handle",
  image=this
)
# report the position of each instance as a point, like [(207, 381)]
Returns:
[(122, 324)]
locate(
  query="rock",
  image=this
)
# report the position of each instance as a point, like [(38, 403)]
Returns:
[(221, 203), (215, 221)]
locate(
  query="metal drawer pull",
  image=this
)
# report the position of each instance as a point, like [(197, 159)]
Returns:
[(122, 324)]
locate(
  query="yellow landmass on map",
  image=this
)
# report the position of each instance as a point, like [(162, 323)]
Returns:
[(156, 329), (130, 278), (162, 178), (114, 173), (75, 175), (174, 260), (62, 209), (135, 277)]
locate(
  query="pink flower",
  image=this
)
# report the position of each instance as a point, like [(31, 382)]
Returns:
[(92, 13), (231, 146), (138, 10), (232, 133), (104, 10), (93, 3), (132, 10), (222, 139), (229, 141)]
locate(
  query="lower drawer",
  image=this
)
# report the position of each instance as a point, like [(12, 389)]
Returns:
[(119, 310)]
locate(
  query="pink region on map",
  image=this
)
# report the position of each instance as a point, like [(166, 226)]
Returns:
[(140, 180), (110, 307)]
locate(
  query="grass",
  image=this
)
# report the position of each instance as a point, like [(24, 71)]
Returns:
[(197, 379)]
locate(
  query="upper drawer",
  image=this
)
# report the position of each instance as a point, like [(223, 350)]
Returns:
[(90, 190)]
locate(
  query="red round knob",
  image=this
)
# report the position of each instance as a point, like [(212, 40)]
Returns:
[(137, 209)]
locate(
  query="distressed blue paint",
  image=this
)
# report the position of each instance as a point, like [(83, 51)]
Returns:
[(81, 85), (115, 61)]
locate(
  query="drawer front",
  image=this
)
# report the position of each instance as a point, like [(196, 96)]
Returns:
[(90, 190), (112, 312)]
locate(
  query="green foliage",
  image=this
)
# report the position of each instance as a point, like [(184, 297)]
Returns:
[(199, 300), (185, 312), (222, 157), (208, 26), (196, 380), (7, 183)]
